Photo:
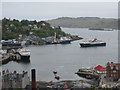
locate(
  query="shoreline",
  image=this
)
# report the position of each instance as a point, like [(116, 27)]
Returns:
[(7, 58), (61, 84)]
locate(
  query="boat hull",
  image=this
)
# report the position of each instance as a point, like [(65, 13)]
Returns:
[(87, 75), (61, 42), (11, 44), (65, 42), (25, 58), (92, 45)]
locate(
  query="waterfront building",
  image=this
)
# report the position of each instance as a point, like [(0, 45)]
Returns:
[(14, 80), (113, 71)]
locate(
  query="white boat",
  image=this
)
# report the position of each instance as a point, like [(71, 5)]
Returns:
[(24, 53)]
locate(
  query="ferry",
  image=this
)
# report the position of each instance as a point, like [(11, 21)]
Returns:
[(92, 43), (24, 53)]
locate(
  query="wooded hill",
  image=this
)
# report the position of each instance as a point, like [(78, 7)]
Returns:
[(12, 29)]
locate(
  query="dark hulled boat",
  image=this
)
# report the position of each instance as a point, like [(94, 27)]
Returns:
[(65, 40), (88, 74), (92, 43), (24, 53), (96, 28), (62, 40)]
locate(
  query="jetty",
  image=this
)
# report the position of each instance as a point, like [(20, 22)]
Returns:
[(5, 59), (11, 55)]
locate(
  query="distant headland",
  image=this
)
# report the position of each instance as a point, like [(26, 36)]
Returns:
[(85, 22)]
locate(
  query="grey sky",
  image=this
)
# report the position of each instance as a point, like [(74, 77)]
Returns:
[(52, 10)]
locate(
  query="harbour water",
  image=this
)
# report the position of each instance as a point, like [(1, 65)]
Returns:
[(67, 59)]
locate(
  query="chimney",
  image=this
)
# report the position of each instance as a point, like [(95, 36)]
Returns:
[(33, 73)]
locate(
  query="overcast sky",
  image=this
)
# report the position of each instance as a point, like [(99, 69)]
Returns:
[(60, 0), (52, 10)]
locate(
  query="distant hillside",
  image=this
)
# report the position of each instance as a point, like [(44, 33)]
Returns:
[(84, 22)]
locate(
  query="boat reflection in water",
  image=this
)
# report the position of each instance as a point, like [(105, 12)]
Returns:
[(92, 43)]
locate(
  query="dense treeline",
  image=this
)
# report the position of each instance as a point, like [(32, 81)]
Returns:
[(13, 29)]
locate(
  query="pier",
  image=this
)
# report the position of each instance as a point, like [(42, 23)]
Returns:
[(4, 59), (12, 57)]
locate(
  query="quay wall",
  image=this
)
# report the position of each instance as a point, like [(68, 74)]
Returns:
[(12, 57)]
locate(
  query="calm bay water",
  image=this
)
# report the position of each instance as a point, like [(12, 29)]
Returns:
[(67, 59)]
